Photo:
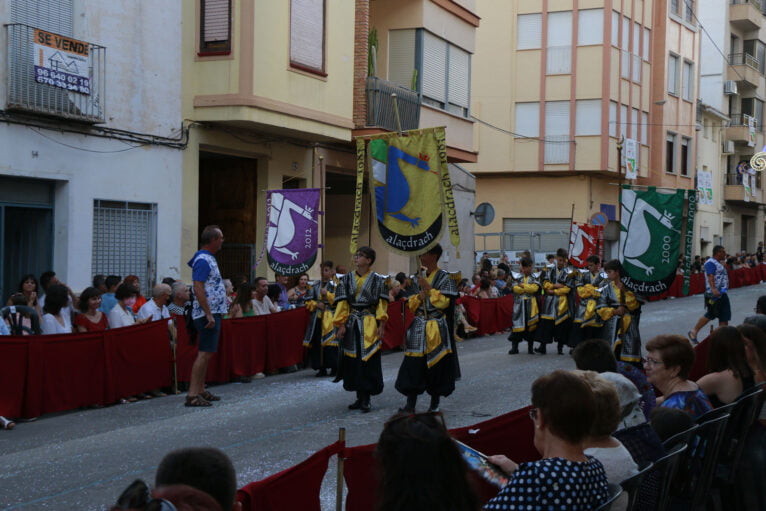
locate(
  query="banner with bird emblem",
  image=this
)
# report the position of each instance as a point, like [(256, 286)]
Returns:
[(585, 240), (291, 233), (410, 189)]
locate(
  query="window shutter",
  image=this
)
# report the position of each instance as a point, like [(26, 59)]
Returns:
[(644, 127), (215, 21), (673, 74), (588, 117), (459, 76), (624, 121), (307, 33), (556, 118), (688, 85), (527, 119), (559, 43), (530, 30), (401, 57), (612, 119), (590, 27), (51, 15), (647, 37), (615, 29), (434, 67)]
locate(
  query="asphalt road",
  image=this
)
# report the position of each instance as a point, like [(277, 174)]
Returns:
[(84, 459)]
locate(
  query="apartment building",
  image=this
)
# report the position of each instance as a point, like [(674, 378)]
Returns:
[(732, 82), (556, 85), (277, 91), (91, 137)]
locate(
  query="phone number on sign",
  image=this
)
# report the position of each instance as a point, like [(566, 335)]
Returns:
[(62, 80)]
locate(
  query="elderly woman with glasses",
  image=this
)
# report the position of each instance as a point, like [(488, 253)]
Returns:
[(668, 362), (565, 475)]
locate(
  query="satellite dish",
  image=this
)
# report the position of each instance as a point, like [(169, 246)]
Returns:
[(484, 214)]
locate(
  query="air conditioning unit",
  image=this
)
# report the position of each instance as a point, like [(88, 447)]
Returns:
[(729, 87), (728, 147)]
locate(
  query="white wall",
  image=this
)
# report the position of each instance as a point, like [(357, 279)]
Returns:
[(143, 94), (714, 16)]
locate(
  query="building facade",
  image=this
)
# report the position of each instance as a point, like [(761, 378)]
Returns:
[(91, 137), (557, 92)]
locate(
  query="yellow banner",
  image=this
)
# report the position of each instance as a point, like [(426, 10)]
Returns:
[(360, 154), (449, 200)]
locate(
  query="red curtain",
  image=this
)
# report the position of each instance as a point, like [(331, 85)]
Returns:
[(295, 488)]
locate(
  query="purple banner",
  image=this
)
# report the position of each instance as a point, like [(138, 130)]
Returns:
[(291, 240)]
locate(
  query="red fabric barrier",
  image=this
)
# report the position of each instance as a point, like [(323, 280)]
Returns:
[(472, 308), (247, 340), (396, 326), (489, 315), (284, 338), (138, 359), (361, 476), (295, 488), (699, 368), (13, 374)]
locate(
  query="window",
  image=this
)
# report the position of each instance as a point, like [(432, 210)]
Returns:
[(530, 32), (645, 49), (624, 121), (634, 121), (757, 49), (559, 43), (615, 28), (527, 119), (612, 119), (754, 108), (446, 72), (687, 86), (215, 27), (673, 74), (125, 240), (644, 128), (557, 132), (625, 63), (685, 155), (590, 27), (675, 6), (401, 57), (689, 10), (307, 35), (636, 60), (670, 153), (588, 117)]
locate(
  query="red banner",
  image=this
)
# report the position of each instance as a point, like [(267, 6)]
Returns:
[(585, 240)]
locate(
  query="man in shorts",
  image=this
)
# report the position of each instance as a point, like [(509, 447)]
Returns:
[(716, 299), (207, 312)]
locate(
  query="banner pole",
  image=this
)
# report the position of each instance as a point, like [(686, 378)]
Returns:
[(396, 114), (339, 485)]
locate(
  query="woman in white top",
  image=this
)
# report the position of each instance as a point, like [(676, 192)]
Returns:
[(122, 314), (54, 321), (618, 463)]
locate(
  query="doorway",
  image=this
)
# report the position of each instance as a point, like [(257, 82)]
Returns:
[(27, 244)]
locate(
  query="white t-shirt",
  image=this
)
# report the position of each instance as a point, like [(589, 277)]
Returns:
[(151, 310), (618, 465), (263, 307), (50, 324), (119, 318), (66, 311)]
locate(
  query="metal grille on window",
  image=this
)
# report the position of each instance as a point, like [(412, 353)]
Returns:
[(125, 240)]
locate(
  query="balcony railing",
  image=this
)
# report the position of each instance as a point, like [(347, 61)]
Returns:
[(756, 3), (743, 120), (557, 148), (380, 105), (743, 59), (51, 82)]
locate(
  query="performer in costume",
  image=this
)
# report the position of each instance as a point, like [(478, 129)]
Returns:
[(430, 355), (361, 301), (320, 332), (526, 313), (620, 311), (587, 323), (558, 304)]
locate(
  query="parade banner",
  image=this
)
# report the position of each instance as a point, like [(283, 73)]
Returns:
[(650, 238), (751, 131), (631, 158), (746, 186), (291, 242), (584, 241), (704, 188), (689, 239), (410, 189)]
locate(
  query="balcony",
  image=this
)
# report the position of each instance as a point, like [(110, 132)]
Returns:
[(746, 15), (739, 129), (52, 75), (743, 69), (733, 191), (381, 111)]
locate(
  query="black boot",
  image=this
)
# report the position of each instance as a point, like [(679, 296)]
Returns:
[(356, 405), (530, 347), (515, 349), (560, 348), (321, 372), (434, 406), (365, 406), (412, 401), (542, 350)]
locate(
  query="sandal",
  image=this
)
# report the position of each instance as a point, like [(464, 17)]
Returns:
[(197, 400), (6, 423), (692, 339), (209, 396)]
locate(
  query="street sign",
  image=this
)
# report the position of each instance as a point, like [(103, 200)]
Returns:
[(484, 214), (599, 218)]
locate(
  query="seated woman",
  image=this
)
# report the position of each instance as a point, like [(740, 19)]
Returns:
[(728, 372), (20, 319), (566, 473), (616, 459), (421, 466), (54, 321), (29, 288), (122, 313), (297, 294), (90, 318), (132, 280), (668, 362), (242, 307), (486, 289)]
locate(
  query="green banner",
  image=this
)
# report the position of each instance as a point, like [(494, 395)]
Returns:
[(650, 238), (689, 239)]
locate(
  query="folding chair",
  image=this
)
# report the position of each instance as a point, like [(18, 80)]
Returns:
[(632, 484)]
